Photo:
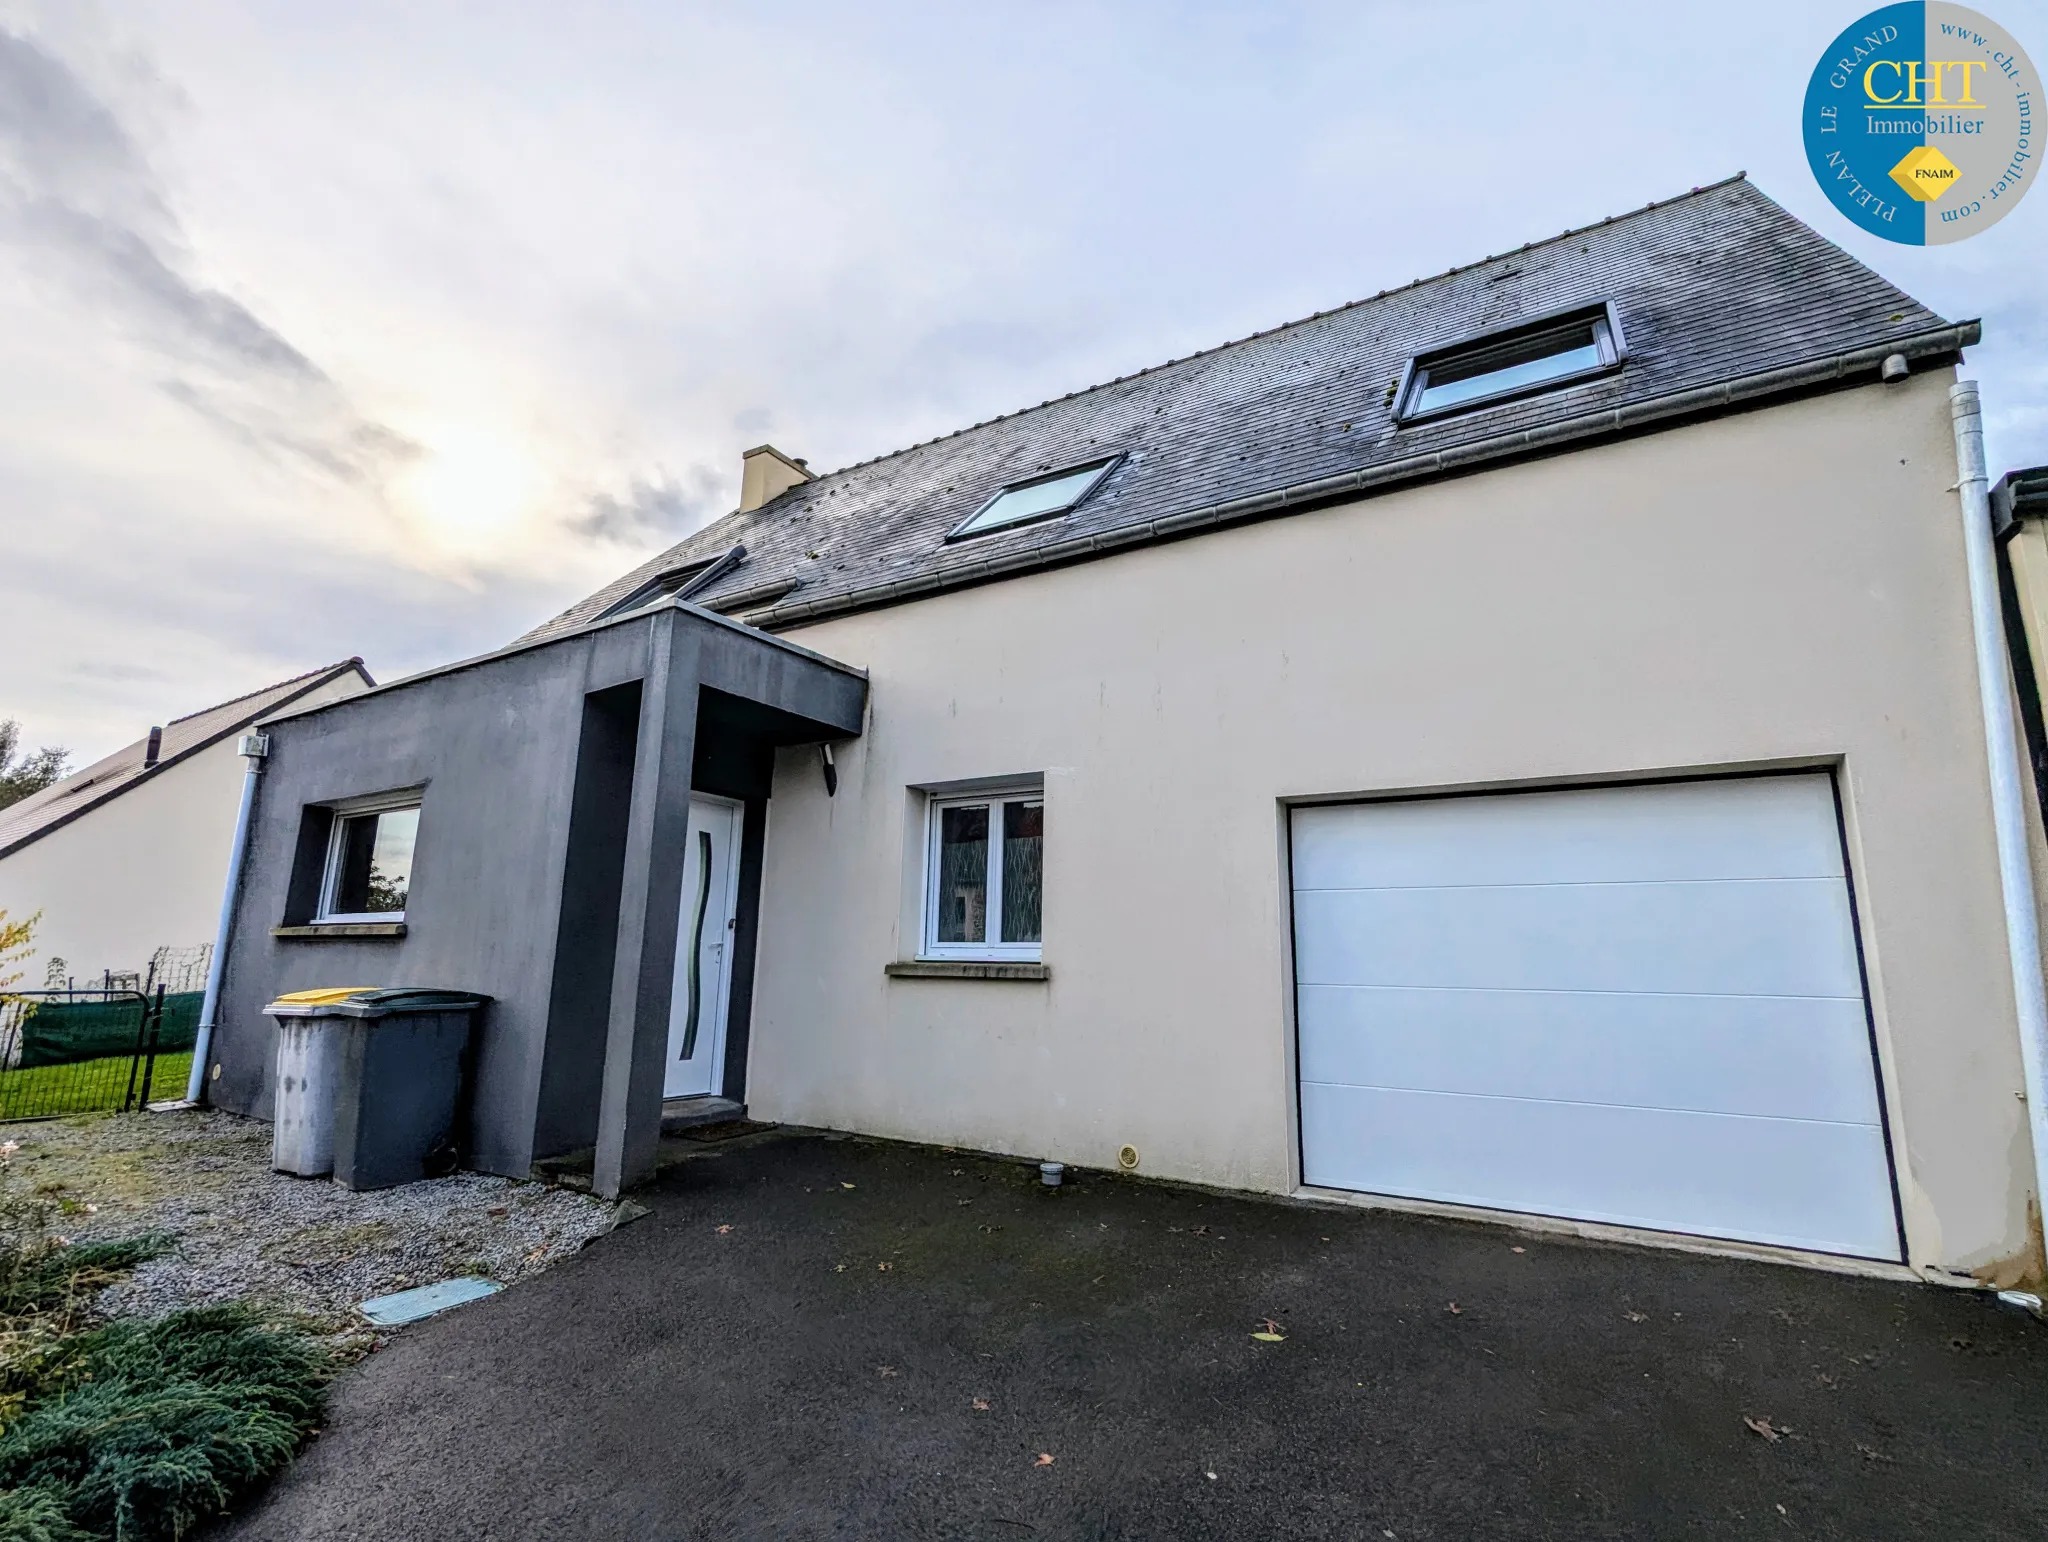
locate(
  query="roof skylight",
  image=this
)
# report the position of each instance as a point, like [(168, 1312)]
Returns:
[(1041, 498), (682, 581), (1511, 363)]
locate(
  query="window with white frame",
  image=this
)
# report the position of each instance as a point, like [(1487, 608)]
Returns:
[(369, 862), (1512, 363), (984, 875), (1042, 497)]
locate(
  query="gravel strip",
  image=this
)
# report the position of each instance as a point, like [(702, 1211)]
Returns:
[(300, 1247)]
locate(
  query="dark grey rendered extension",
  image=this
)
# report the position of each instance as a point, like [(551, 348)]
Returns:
[(555, 782)]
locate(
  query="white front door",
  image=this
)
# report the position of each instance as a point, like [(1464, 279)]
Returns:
[(704, 933)]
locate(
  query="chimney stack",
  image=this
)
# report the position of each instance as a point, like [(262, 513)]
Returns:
[(766, 474), (153, 749)]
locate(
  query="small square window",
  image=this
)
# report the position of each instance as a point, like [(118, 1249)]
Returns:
[(1511, 364), (1040, 498), (369, 864), (984, 890)]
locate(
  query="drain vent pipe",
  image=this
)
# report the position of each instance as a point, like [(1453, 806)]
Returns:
[(254, 748), (2008, 809)]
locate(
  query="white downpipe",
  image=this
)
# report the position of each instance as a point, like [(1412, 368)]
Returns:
[(209, 1008), (2008, 810)]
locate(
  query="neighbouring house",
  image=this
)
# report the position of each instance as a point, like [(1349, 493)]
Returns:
[(2019, 517), (1510, 745), (127, 859)]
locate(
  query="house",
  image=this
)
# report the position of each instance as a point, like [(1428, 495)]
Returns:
[(126, 860), (1508, 746), (2019, 517)]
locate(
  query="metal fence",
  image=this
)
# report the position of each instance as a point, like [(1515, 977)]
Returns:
[(101, 1050)]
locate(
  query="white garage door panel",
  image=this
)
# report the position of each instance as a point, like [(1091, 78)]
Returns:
[(1789, 1183), (1780, 828), (1775, 937), (1778, 1056), (1639, 1005)]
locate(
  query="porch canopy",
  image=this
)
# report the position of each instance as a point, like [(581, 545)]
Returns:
[(553, 780)]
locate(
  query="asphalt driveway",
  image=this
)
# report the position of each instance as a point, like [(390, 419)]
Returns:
[(818, 1337)]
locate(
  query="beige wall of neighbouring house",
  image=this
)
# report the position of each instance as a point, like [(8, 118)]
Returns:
[(1783, 586), (141, 871)]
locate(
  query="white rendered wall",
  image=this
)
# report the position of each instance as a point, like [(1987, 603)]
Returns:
[(1775, 587)]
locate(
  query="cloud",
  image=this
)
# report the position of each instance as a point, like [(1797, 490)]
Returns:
[(661, 506), (78, 196), (118, 670)]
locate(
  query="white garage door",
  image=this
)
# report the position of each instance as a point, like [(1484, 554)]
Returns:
[(1639, 1005)]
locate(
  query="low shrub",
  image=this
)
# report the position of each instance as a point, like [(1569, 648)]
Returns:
[(132, 1431), (47, 1274), (161, 1426)]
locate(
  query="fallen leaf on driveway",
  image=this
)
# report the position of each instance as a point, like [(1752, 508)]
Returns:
[(1764, 1427), (1511, 1250), (883, 1266), (1044, 1459), (1637, 1316), (1210, 1476), (1457, 1310), (1270, 1333), (982, 1405), (846, 1185), (725, 1230), (886, 1370)]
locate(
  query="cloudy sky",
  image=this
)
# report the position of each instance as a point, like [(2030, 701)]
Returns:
[(393, 328)]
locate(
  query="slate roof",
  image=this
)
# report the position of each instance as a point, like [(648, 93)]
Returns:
[(1722, 295), (104, 780)]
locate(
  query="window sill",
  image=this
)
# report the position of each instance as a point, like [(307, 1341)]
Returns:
[(339, 931), (966, 969)]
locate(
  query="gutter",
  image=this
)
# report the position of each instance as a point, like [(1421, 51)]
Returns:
[(2008, 812), (1937, 343), (739, 601)]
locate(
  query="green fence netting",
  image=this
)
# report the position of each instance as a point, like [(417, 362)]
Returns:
[(62, 1032)]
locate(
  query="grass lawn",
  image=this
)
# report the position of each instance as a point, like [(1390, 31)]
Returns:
[(86, 1086)]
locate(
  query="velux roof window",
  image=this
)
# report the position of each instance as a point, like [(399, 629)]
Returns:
[(684, 581), (1040, 498), (1530, 358)]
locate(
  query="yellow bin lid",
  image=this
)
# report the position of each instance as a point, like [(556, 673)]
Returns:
[(323, 998)]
